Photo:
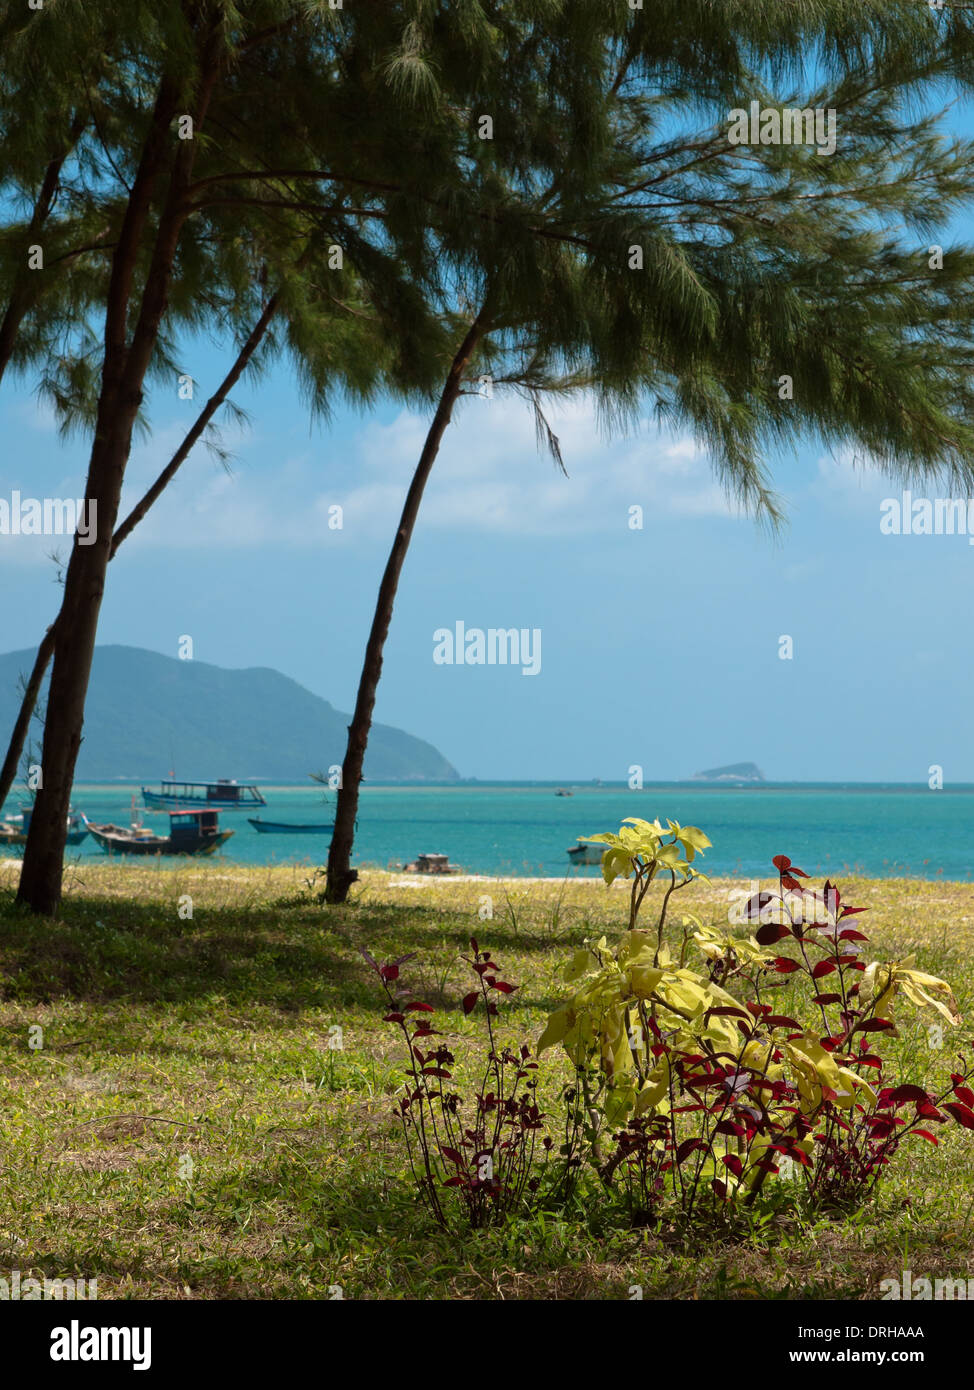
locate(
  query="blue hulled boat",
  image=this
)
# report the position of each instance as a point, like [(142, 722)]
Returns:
[(221, 795)]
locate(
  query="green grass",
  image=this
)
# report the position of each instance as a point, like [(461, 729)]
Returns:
[(185, 1131)]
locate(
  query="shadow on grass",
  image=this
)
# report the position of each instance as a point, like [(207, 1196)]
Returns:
[(106, 949), (289, 958)]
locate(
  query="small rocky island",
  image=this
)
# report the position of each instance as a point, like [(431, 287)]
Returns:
[(733, 772)]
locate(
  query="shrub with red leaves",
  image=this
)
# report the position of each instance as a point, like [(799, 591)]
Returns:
[(490, 1157)]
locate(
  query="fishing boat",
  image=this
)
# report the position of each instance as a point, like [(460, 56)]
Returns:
[(221, 795), (13, 830), (586, 853), (190, 832), (270, 827), (432, 864)]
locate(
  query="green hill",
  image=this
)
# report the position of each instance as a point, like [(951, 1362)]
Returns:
[(732, 772), (148, 713)]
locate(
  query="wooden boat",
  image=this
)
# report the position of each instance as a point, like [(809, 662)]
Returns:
[(190, 832), (586, 853), (270, 827), (222, 795), (432, 864), (13, 831)]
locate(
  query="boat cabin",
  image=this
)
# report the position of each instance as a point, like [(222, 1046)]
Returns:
[(185, 826)]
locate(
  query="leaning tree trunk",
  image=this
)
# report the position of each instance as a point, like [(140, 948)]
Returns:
[(125, 367), (341, 875), (27, 706), (46, 650)]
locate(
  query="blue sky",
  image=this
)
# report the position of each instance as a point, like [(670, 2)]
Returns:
[(660, 647)]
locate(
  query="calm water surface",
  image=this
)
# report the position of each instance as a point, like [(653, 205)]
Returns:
[(526, 829)]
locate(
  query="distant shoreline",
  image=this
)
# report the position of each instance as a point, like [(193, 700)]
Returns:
[(375, 876), (576, 788)]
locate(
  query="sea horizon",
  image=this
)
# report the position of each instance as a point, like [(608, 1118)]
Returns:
[(523, 829)]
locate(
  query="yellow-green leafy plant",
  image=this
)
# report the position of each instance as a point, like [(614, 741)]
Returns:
[(707, 1087)]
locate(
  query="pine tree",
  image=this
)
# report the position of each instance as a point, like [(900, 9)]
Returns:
[(168, 250), (758, 293)]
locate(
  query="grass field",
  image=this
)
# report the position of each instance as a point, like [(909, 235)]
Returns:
[(185, 1130)]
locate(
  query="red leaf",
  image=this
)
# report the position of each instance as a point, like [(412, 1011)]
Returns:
[(784, 966), (790, 883), (849, 934), (732, 1162), (824, 967), (418, 1008), (437, 1071), (452, 1155), (781, 1021), (823, 999), (965, 1095), (771, 933), (874, 1025), (393, 1018), (389, 972), (470, 1001), (687, 1148), (925, 1134), (905, 1093), (963, 1114), (474, 947), (503, 986), (782, 863)]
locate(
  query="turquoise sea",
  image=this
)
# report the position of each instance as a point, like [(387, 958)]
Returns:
[(525, 829)]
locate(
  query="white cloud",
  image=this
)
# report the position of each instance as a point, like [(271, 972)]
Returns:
[(490, 476)]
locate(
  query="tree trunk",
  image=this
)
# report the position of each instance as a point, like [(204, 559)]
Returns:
[(341, 875), (27, 706), (46, 650), (123, 374)]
